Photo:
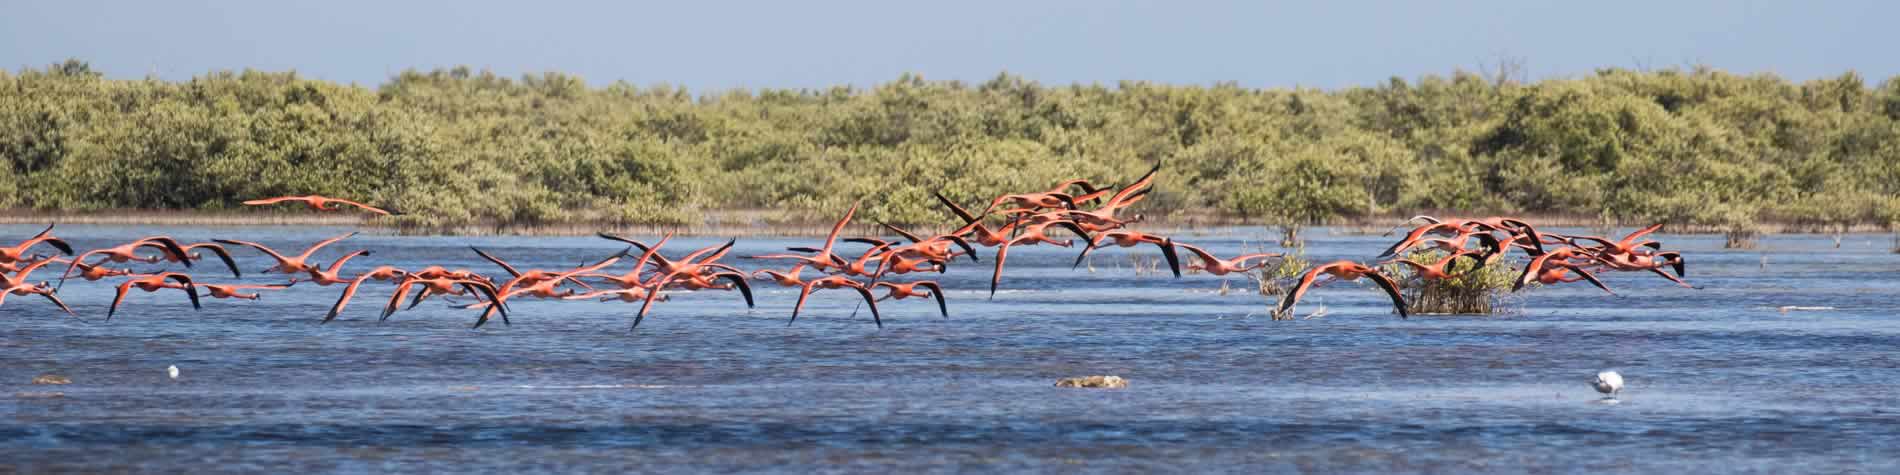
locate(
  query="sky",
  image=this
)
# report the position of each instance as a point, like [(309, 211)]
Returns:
[(712, 45)]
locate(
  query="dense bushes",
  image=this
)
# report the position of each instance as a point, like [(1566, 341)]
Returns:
[(457, 146)]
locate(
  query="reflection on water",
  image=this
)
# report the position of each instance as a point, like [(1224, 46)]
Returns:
[(1715, 376)]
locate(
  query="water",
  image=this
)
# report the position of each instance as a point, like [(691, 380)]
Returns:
[(1718, 379)]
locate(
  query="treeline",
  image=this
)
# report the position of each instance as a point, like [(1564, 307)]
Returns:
[(458, 146)]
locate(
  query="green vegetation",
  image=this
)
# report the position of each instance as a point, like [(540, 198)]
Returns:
[(1698, 147), (1469, 292)]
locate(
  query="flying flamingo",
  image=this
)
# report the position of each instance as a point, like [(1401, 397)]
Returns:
[(318, 203), (543, 288), (1341, 270), (154, 283), (903, 291), (520, 277), (384, 273), (447, 286), (1132, 239), (1217, 266), (632, 294), (217, 250), (825, 258), (1438, 270), (1557, 272), (1627, 245), (237, 291), (788, 278), (835, 282), (333, 274), (43, 289), (128, 252), (1649, 262), (290, 265), (1534, 268), (18, 251), (1032, 234)]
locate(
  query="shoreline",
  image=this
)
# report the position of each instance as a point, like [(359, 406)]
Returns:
[(753, 223)]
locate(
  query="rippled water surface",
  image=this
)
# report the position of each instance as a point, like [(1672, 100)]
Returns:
[(1719, 380)]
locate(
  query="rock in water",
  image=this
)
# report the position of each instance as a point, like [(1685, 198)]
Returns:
[(50, 378), (1093, 382)]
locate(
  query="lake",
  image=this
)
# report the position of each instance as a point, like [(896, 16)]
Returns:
[(1718, 378)]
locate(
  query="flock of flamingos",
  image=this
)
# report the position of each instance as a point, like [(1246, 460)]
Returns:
[(1096, 215)]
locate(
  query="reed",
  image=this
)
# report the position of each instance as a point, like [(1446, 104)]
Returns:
[(1470, 292)]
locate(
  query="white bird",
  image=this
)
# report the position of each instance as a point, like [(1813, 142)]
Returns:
[(173, 371), (1608, 382)]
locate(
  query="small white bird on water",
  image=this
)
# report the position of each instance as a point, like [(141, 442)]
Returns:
[(1608, 382), (173, 371)]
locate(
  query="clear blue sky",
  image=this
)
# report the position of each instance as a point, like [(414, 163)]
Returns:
[(712, 45)]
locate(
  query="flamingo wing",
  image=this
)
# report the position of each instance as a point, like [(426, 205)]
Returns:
[(738, 280), (1391, 290), (372, 209), (280, 199), (503, 264), (937, 292), (1306, 283), (223, 255), (124, 287), (320, 244), (190, 288), (260, 247)]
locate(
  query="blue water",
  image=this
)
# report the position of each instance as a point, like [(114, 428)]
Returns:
[(1719, 380)]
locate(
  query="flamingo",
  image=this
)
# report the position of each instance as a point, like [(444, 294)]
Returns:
[(43, 289), (236, 291), (1627, 245), (1132, 239), (788, 278), (1557, 272), (333, 274), (1437, 270), (1032, 200), (1341, 270), (18, 251), (1534, 269), (825, 258), (91, 272), (217, 250), (1654, 262), (1418, 234), (519, 277), (903, 291), (1217, 266), (1032, 234), (632, 294), (318, 203), (543, 288), (154, 283), (443, 285), (128, 252), (835, 282), (384, 273), (289, 265)]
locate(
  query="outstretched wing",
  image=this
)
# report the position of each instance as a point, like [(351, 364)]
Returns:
[(1391, 289), (937, 292)]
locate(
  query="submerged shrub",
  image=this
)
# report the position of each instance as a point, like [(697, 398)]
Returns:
[(1471, 290)]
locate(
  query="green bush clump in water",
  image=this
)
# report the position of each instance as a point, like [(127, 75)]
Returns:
[(1469, 291)]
